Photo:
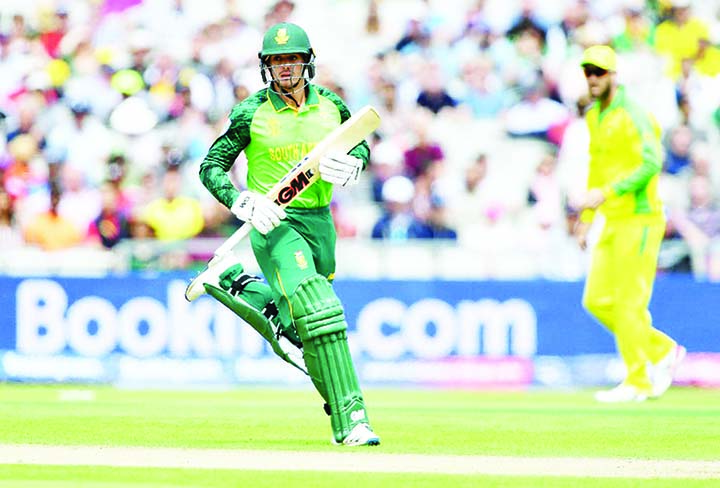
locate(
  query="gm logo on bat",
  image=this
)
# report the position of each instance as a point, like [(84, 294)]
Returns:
[(296, 185)]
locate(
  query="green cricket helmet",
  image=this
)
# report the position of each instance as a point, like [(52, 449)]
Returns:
[(286, 38)]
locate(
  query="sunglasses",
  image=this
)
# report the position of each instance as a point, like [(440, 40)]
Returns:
[(591, 70)]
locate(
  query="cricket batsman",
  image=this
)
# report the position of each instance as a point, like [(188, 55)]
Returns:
[(295, 246), (625, 159)]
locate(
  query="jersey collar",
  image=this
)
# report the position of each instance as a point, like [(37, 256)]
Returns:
[(312, 99), (618, 100)]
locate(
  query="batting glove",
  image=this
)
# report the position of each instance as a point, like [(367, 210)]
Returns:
[(341, 169), (258, 210)]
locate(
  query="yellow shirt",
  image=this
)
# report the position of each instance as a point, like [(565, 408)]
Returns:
[(678, 42), (625, 159), (709, 63), (52, 232), (172, 220)]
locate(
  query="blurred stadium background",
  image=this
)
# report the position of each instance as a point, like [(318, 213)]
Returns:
[(108, 106)]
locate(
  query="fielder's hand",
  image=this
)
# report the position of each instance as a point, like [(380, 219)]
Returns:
[(258, 210), (580, 232), (340, 169), (593, 198)]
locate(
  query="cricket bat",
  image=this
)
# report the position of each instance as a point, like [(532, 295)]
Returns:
[(342, 139)]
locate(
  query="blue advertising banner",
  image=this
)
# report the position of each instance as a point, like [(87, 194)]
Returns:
[(140, 329)]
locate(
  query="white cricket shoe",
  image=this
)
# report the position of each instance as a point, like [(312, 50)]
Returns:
[(361, 435), (621, 394), (664, 371)]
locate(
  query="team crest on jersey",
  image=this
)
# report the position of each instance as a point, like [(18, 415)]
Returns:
[(300, 260), (282, 36)]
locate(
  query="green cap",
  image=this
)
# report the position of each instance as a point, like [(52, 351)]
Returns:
[(601, 56), (285, 38)]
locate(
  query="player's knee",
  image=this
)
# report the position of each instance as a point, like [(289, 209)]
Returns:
[(316, 309)]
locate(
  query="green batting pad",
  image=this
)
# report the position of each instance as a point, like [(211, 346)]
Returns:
[(254, 317), (320, 321), (316, 309), (256, 294)]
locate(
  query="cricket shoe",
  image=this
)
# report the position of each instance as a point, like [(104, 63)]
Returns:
[(664, 371), (360, 435), (621, 394)]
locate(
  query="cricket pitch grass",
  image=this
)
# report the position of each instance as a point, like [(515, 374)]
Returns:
[(92, 436)]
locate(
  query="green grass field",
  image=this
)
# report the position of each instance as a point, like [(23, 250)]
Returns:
[(683, 425)]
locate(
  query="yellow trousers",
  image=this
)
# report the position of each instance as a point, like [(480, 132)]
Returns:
[(618, 291)]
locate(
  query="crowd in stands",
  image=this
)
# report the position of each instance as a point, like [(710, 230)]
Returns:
[(108, 106)]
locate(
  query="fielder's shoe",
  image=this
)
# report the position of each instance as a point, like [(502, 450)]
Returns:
[(664, 371), (621, 394), (361, 435)]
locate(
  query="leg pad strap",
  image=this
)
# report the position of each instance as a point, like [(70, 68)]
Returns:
[(251, 300)]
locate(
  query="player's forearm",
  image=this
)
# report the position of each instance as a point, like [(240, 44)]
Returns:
[(218, 183), (639, 178)]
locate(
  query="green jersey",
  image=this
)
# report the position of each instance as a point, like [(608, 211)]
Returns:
[(274, 137)]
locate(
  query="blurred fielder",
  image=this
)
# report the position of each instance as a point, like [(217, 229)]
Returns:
[(625, 159), (295, 247)]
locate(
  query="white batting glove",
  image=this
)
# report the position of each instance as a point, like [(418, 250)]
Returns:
[(340, 169), (261, 212)]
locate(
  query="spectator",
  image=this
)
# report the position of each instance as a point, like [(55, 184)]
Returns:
[(527, 24), (116, 173), (281, 11), (424, 152), (545, 196), (677, 155), (112, 225), (51, 231), (479, 202), (484, 93), (53, 32), (23, 175), (637, 31), (433, 94), (678, 38), (536, 115), (10, 236), (398, 223), (437, 220), (699, 226), (80, 203), (345, 226), (415, 37), (707, 60), (173, 216), (71, 138), (26, 178), (24, 121), (386, 160)]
